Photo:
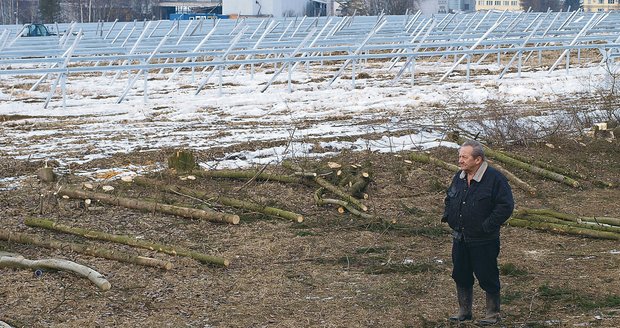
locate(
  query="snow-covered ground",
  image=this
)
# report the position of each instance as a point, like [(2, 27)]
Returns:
[(375, 115)]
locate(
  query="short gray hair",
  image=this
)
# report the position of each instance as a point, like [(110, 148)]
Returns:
[(477, 149)]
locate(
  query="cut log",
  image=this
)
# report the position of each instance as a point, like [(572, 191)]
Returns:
[(151, 206), (359, 185), (318, 197), (340, 193), (591, 225), (570, 217), (245, 175), (126, 240), (228, 201), (56, 264), (23, 238), (329, 187), (553, 227)]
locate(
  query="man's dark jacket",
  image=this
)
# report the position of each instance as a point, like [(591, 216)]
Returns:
[(478, 211)]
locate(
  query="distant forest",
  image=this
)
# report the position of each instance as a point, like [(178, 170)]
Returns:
[(48, 11)]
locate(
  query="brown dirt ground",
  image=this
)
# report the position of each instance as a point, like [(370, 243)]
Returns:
[(332, 270)]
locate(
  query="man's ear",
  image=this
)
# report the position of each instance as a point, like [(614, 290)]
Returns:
[(478, 160)]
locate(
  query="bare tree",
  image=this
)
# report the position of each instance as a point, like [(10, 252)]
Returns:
[(376, 7)]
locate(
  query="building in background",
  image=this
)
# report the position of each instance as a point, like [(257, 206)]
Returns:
[(600, 5), (510, 5), (278, 8), (455, 6)]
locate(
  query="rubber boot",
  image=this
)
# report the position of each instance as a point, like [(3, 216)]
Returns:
[(465, 297), (493, 315)]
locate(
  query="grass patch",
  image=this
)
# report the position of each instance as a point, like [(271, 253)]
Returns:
[(509, 298), (304, 233), (371, 250), (402, 268), (577, 299), (510, 269), (406, 230)]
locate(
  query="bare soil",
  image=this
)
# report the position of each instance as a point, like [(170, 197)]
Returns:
[(332, 270)]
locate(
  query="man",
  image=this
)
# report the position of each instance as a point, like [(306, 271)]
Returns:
[(478, 202)]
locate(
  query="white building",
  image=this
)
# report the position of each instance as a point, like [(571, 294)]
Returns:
[(276, 8)]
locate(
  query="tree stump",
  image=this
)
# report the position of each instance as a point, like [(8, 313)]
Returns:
[(182, 161), (46, 174)]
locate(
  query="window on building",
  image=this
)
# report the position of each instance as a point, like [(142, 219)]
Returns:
[(499, 2), (600, 2), (611, 2), (506, 3), (489, 2), (513, 3)]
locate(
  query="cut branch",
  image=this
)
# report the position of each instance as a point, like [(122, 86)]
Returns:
[(57, 264), (23, 238), (127, 240), (152, 206)]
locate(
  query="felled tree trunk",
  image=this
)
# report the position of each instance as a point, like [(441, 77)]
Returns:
[(593, 226), (246, 175), (526, 166), (228, 201), (554, 227), (569, 217), (151, 206), (23, 238), (56, 264), (514, 179), (424, 158), (532, 168), (127, 240), (543, 165)]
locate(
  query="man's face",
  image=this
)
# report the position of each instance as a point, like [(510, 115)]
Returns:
[(468, 163)]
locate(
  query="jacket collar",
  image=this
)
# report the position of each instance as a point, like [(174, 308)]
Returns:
[(478, 176)]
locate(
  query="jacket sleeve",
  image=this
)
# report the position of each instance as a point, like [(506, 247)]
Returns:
[(504, 205), (446, 201)]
